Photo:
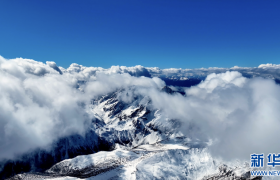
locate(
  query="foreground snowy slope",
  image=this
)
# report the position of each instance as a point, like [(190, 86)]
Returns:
[(160, 161)]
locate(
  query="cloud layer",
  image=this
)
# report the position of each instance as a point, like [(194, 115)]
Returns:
[(238, 115), (40, 103), (37, 105)]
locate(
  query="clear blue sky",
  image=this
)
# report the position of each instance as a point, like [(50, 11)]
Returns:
[(173, 33)]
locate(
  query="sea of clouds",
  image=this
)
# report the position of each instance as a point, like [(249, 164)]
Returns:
[(236, 115)]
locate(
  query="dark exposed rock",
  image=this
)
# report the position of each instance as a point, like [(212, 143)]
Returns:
[(168, 90)]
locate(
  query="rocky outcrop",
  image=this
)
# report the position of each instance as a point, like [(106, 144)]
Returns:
[(226, 173)]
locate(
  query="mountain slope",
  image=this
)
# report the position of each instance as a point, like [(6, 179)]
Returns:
[(147, 145)]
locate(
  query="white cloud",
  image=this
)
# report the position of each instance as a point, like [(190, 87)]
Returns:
[(240, 115), (40, 103), (37, 106)]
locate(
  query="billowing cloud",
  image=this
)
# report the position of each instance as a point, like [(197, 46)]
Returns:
[(36, 106), (40, 103), (237, 115)]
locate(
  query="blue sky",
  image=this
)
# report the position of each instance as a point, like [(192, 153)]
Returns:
[(161, 33)]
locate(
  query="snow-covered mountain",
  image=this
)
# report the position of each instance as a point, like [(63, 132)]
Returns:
[(134, 122), (139, 143)]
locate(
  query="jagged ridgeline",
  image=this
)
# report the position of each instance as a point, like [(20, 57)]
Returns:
[(127, 124)]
